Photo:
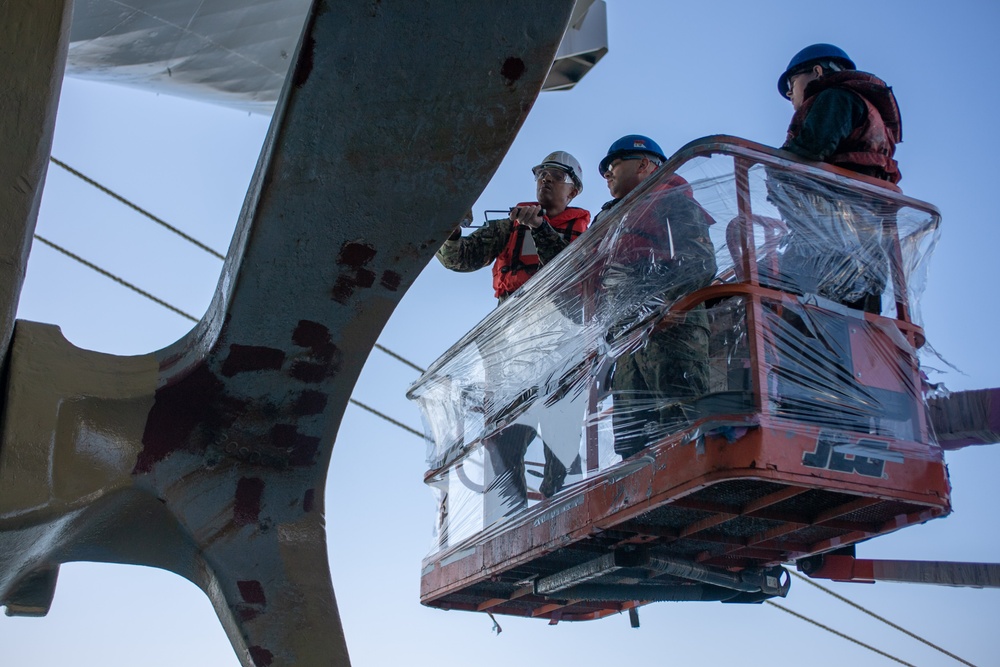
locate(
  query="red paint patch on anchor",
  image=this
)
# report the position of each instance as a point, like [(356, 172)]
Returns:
[(309, 500), (353, 257), (301, 448), (326, 358), (512, 69), (247, 614), (246, 358), (196, 403), (251, 591), (314, 336), (246, 505), (261, 656), (356, 254), (309, 372), (309, 403), (391, 280)]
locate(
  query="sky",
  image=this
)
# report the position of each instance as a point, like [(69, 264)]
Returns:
[(674, 72)]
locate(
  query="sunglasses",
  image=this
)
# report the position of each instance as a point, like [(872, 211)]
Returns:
[(554, 175)]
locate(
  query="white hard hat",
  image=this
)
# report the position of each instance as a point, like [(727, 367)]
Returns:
[(566, 162)]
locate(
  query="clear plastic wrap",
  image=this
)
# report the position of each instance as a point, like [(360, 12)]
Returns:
[(756, 288)]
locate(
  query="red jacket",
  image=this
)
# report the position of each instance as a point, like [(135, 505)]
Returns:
[(516, 263), (870, 147)]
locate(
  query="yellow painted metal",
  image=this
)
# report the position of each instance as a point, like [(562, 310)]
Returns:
[(76, 421), (33, 41)]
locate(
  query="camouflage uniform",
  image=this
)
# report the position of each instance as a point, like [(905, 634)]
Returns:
[(663, 253), (652, 384), (484, 246)]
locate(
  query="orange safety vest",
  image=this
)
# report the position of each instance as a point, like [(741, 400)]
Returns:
[(518, 261)]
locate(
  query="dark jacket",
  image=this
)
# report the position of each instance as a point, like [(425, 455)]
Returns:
[(851, 120), (660, 252)]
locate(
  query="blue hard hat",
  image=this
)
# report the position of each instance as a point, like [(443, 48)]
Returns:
[(809, 55), (631, 144)]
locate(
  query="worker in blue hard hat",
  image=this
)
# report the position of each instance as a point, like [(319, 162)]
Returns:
[(849, 119), (842, 116), (659, 250), (630, 160)]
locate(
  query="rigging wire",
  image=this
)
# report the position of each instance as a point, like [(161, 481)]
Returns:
[(120, 281), (405, 361), (138, 208), (876, 616), (189, 239), (388, 418), (839, 634)]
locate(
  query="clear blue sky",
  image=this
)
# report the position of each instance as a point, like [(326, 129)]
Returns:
[(675, 72)]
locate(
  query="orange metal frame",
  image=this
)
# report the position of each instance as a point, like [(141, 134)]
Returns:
[(773, 494)]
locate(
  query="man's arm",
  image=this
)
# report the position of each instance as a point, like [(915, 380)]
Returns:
[(548, 242), (831, 119), (477, 250)]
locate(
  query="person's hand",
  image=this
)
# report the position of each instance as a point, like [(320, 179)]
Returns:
[(529, 216), (466, 221)]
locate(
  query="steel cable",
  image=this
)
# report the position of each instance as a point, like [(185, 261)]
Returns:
[(839, 634), (159, 221), (876, 616), (120, 281)]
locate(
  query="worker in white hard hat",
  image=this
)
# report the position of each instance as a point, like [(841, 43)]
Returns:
[(518, 246), (531, 235)]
